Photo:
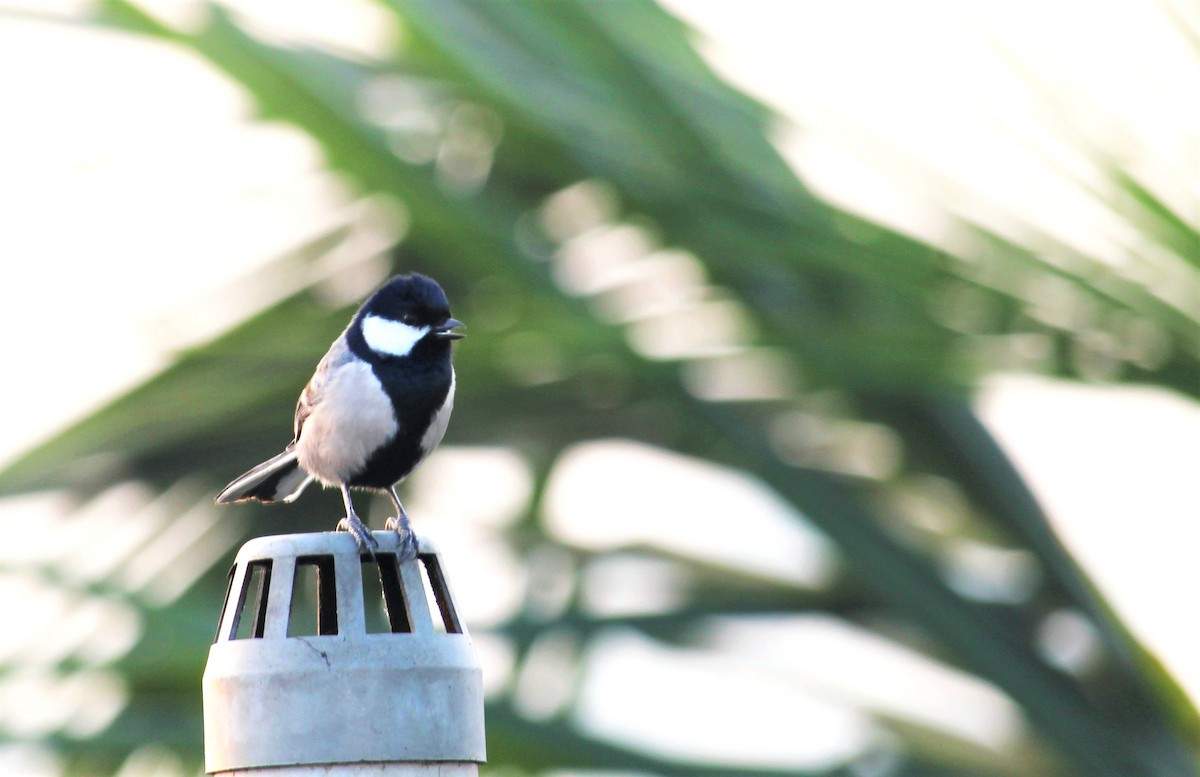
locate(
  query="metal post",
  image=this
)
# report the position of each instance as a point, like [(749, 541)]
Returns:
[(301, 680)]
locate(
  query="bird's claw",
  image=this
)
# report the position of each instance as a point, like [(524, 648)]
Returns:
[(362, 535), (407, 549)]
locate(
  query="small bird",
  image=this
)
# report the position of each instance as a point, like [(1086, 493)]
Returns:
[(377, 405)]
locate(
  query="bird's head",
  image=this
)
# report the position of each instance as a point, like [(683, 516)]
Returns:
[(406, 313)]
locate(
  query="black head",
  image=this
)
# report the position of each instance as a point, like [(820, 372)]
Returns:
[(407, 313), (414, 299)]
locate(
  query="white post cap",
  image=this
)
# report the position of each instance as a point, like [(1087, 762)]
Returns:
[(340, 695)]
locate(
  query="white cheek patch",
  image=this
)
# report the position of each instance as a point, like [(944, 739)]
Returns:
[(393, 338)]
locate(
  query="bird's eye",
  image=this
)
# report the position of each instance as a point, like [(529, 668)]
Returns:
[(408, 318)]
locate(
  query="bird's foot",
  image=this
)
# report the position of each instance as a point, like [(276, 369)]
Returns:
[(407, 550), (362, 535)]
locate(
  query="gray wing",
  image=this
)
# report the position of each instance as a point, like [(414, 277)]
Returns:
[(338, 355)]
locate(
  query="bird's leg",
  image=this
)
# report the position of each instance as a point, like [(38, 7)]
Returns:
[(400, 524), (351, 523)]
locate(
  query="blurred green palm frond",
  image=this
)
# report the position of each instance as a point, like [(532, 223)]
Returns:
[(636, 261)]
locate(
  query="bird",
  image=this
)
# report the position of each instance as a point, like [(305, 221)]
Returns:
[(377, 405)]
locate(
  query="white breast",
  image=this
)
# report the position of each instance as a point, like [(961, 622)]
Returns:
[(351, 418)]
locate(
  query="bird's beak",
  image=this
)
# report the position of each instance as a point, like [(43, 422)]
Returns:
[(446, 329)]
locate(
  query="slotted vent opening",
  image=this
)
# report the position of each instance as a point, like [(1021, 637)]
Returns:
[(225, 604), (250, 618), (314, 598), (384, 602), (439, 595)]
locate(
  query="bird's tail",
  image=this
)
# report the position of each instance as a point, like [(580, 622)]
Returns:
[(280, 479)]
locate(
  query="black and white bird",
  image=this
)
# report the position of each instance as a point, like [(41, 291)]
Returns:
[(376, 406)]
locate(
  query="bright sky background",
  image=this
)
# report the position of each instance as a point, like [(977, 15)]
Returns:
[(94, 202)]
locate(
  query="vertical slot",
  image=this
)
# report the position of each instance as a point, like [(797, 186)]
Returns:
[(224, 604), (396, 601), (314, 598), (252, 599), (374, 605), (435, 586), (384, 603)]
